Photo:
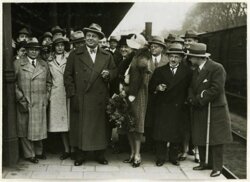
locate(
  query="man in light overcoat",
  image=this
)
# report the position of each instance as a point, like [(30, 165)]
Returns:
[(87, 75), (33, 85), (208, 87)]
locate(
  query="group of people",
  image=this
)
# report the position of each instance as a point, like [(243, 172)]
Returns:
[(172, 87)]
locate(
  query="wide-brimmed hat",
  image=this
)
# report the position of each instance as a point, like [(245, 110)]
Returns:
[(178, 39), (157, 40), (190, 34), (170, 38), (24, 31), (77, 36), (123, 40), (175, 49), (137, 41), (59, 38), (94, 28), (47, 34), (114, 38), (198, 50), (57, 29), (33, 43)]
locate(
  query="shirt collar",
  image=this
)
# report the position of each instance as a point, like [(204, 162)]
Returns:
[(30, 60), (112, 50), (202, 65), (88, 48), (158, 58), (174, 66)]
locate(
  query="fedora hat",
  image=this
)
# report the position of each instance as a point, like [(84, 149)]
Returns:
[(59, 38), (96, 29), (170, 38), (157, 40), (57, 29), (77, 36), (178, 39), (198, 50), (114, 38), (33, 43), (175, 49), (47, 34), (190, 34), (24, 31), (137, 41)]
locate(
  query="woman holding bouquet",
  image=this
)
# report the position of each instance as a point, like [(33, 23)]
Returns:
[(139, 75)]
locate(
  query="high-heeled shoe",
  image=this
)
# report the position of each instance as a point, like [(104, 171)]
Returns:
[(129, 160), (136, 162)]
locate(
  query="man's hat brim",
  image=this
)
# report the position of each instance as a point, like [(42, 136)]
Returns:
[(77, 40), (101, 34), (175, 52), (60, 40), (198, 55), (33, 45), (156, 42)]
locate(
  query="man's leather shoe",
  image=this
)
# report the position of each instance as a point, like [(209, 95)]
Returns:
[(215, 173), (159, 162), (42, 156), (102, 161), (176, 163), (32, 160), (200, 167), (78, 162)]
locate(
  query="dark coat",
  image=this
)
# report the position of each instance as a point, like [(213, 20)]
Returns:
[(89, 95), (170, 108), (211, 80)]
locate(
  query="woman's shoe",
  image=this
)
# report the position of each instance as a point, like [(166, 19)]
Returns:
[(32, 160), (65, 155), (130, 160), (136, 162)]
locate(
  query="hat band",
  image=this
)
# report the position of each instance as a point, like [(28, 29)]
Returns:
[(192, 51), (32, 45), (173, 49)]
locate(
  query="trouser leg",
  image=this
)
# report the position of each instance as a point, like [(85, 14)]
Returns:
[(217, 156), (173, 151), (28, 148), (99, 154), (202, 155), (161, 150), (38, 147)]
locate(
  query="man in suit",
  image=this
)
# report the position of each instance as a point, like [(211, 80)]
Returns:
[(170, 85), (208, 87), (33, 85), (159, 59), (87, 74)]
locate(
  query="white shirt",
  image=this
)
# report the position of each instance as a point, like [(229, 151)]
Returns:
[(30, 60), (175, 69), (158, 58), (112, 50), (202, 65), (92, 55)]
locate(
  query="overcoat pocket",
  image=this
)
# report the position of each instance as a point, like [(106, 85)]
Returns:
[(23, 106)]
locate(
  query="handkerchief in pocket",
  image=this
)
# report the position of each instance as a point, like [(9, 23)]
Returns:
[(204, 81)]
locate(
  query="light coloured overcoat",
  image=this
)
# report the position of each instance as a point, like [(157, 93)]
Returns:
[(58, 108), (32, 92), (89, 94)]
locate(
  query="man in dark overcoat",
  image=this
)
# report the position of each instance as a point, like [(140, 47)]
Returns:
[(87, 75), (170, 85), (208, 87)]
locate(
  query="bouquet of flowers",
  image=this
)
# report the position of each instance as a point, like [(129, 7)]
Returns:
[(119, 113)]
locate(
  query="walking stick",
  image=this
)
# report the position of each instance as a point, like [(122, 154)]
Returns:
[(208, 132)]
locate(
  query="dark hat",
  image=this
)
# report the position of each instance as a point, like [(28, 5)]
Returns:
[(20, 45), (175, 49), (59, 38), (178, 39), (47, 34), (170, 38), (198, 50), (96, 29), (114, 38), (57, 29), (190, 34), (77, 36), (157, 40), (33, 43), (24, 31)]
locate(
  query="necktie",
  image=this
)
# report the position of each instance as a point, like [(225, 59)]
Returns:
[(33, 63), (156, 63), (92, 51), (172, 70)]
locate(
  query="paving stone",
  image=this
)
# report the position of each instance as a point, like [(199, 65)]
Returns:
[(58, 168), (67, 162), (84, 168), (149, 169), (130, 169), (34, 167), (98, 175), (18, 175), (107, 168), (45, 175), (70, 175), (173, 169)]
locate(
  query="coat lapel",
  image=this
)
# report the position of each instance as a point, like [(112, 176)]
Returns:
[(60, 67), (203, 73), (179, 75), (39, 69), (85, 57), (163, 61), (26, 65)]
